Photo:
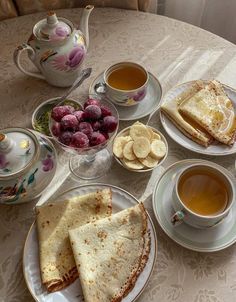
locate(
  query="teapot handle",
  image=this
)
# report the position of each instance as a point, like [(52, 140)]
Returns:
[(16, 57)]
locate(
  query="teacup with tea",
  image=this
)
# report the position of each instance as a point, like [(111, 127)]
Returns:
[(125, 83), (203, 196)]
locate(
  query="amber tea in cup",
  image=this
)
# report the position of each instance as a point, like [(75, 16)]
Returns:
[(203, 191), (124, 84), (203, 195), (127, 77)]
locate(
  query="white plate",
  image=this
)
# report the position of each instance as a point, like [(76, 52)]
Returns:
[(149, 104), (184, 141), (213, 239), (73, 293)]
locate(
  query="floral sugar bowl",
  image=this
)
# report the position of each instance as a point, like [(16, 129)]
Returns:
[(27, 165), (56, 48)]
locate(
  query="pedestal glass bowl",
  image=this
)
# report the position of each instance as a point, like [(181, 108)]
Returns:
[(94, 160)]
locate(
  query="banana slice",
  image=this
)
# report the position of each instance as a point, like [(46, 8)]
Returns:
[(149, 161), (155, 136), (141, 147), (158, 149), (133, 164), (119, 144), (151, 133), (128, 152), (138, 123), (139, 130)]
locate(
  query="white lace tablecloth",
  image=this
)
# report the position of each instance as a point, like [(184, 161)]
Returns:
[(173, 51)]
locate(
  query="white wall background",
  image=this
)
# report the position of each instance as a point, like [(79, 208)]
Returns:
[(217, 16)]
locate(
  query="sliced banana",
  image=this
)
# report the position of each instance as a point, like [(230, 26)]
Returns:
[(138, 123), (151, 133), (155, 136), (149, 161), (158, 149), (133, 164), (139, 130), (119, 144), (128, 152), (141, 147)]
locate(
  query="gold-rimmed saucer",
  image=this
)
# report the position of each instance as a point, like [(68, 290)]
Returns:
[(149, 104), (212, 239)]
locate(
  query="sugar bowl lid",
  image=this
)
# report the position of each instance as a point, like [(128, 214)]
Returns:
[(19, 149), (52, 28)]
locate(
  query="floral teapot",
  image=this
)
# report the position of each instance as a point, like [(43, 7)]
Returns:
[(57, 49), (27, 165)]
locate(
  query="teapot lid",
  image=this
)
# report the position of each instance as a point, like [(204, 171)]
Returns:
[(52, 28), (19, 149)]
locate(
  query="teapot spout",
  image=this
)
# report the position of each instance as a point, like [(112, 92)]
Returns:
[(84, 22)]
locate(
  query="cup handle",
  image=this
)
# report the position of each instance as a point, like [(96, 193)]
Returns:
[(100, 88), (16, 56), (177, 218)]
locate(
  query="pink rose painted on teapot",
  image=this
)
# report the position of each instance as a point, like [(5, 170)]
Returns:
[(70, 61), (57, 49)]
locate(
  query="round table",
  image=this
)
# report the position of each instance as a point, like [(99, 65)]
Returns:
[(173, 51)]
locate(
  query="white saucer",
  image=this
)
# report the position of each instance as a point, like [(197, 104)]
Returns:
[(207, 240), (149, 104)]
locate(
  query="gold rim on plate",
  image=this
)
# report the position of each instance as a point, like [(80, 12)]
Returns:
[(90, 185)]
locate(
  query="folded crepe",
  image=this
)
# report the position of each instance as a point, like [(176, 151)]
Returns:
[(213, 110), (186, 125), (111, 253), (58, 268)]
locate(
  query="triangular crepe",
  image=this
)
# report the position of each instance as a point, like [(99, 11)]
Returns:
[(213, 110), (111, 253), (187, 126), (58, 268)]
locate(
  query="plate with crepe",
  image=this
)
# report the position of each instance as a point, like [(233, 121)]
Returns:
[(93, 243), (201, 116)]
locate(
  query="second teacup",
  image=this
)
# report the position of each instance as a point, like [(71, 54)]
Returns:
[(203, 196), (125, 83)]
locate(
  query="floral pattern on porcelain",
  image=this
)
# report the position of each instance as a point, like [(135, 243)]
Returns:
[(56, 49), (140, 95), (57, 61), (171, 44), (3, 162), (133, 99), (60, 33), (70, 61), (48, 163), (18, 152), (29, 185)]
